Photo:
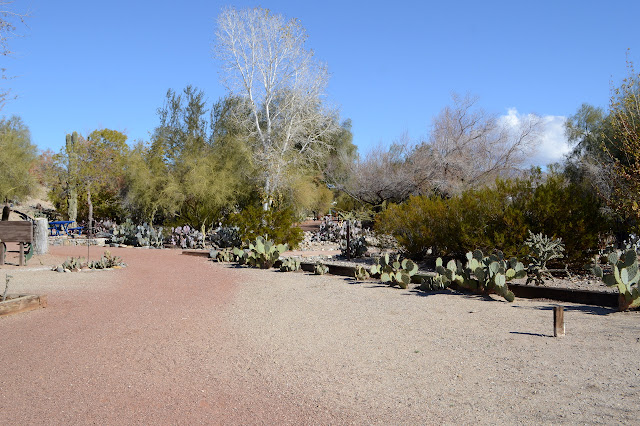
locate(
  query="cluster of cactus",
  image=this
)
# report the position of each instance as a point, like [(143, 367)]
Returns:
[(144, 235), (264, 253), (222, 255), (186, 237), (624, 275), (395, 271), (290, 264), (320, 268), (240, 255), (543, 249), (482, 274), (361, 273), (106, 261), (74, 264), (225, 236)]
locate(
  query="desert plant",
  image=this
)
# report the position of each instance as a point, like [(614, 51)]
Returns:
[(7, 278), (263, 253), (225, 236), (222, 255), (240, 256), (361, 273), (320, 268), (72, 264), (186, 237), (481, 274), (624, 275), (290, 264), (395, 271), (543, 249), (106, 261)]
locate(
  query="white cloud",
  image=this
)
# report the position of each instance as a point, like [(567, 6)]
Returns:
[(552, 142)]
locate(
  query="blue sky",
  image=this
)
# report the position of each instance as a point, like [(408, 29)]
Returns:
[(84, 65)]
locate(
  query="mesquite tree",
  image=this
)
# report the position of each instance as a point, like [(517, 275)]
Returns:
[(264, 63)]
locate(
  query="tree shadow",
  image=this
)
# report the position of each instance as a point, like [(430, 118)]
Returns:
[(587, 309)]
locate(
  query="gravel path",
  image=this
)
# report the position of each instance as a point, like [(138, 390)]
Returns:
[(177, 339)]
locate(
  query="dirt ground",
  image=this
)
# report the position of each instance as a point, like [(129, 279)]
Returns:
[(175, 339)]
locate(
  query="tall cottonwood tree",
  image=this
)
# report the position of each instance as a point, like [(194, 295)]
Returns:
[(266, 65)]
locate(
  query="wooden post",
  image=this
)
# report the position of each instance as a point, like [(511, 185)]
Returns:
[(40, 236), (558, 321), (21, 254)]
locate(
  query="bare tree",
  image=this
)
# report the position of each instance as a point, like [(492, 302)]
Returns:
[(390, 174), (8, 20), (472, 147), (264, 62), (467, 148)]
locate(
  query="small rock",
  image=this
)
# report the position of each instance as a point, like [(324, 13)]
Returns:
[(60, 269)]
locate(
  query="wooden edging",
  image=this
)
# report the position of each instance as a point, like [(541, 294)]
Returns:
[(584, 297), (22, 303)]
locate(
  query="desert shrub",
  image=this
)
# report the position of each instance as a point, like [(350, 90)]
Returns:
[(274, 224), (500, 217)]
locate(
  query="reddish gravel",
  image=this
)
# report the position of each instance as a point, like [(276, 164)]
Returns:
[(141, 345)]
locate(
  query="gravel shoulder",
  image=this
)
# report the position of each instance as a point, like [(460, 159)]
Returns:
[(177, 339)]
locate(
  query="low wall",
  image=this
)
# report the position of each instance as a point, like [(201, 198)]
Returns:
[(66, 241)]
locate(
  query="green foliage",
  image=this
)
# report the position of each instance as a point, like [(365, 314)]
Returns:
[(263, 253), (543, 249), (290, 264), (624, 275), (17, 154), (499, 217), (395, 271), (481, 274), (320, 268), (361, 273), (274, 224)]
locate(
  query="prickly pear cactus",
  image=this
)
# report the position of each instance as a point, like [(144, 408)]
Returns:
[(395, 271), (320, 268), (290, 264), (624, 275), (482, 274), (361, 273), (264, 253)]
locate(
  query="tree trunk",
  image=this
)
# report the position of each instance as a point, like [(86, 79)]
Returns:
[(90, 216), (40, 236)]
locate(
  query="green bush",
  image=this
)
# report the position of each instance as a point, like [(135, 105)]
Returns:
[(276, 225), (500, 217)]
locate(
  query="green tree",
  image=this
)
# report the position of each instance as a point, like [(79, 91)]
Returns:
[(17, 154), (101, 160)]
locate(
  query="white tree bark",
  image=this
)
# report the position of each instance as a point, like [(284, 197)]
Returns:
[(41, 236), (264, 62)]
